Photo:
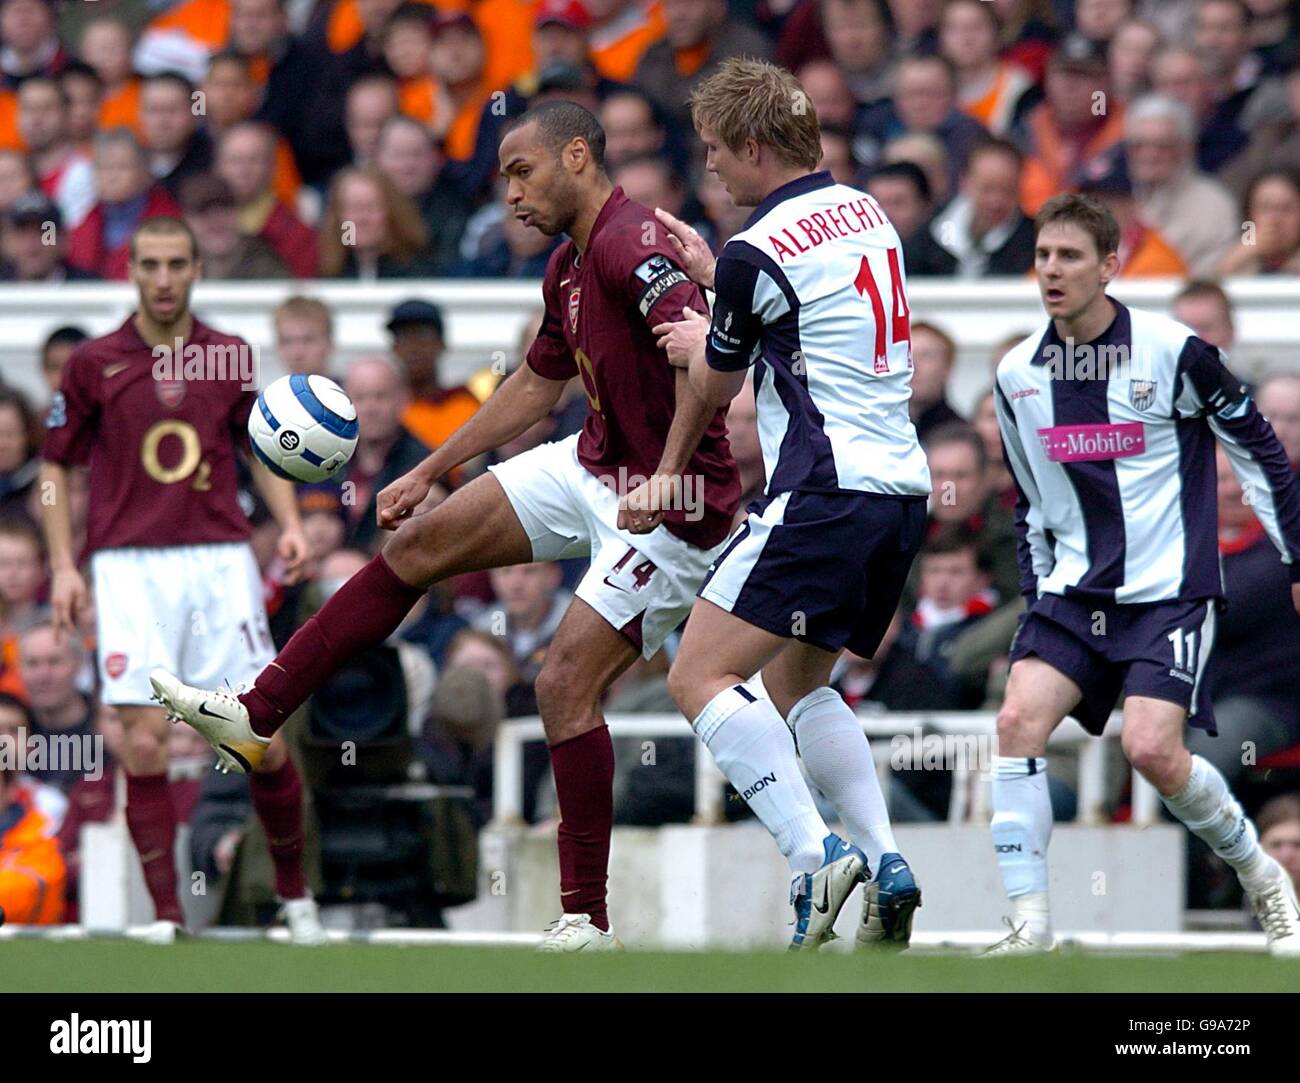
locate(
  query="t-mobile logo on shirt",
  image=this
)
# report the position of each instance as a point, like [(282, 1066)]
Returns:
[(1087, 443)]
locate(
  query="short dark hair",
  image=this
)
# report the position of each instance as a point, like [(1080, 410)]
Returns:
[(995, 146), (953, 538), (958, 432), (1091, 216), (164, 224), (1201, 288), (562, 121), (79, 69), (176, 78), (908, 171), (63, 336)]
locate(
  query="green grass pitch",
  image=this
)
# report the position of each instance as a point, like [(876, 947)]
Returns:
[(120, 966)]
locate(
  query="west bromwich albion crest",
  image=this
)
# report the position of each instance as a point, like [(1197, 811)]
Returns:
[(1142, 393)]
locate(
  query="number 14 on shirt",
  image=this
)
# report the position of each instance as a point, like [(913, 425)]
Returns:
[(900, 324)]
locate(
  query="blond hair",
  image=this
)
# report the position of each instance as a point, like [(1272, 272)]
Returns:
[(299, 307), (754, 99)]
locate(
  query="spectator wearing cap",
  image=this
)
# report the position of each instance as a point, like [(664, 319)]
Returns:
[(990, 90), (699, 36), (31, 42), (1193, 212), (304, 335), (245, 160), (415, 164), (1200, 81), (106, 47), (925, 102), (1065, 132), (226, 254), (178, 147), (386, 449), (434, 412), (1272, 208), (903, 192), (370, 231), (32, 246), (128, 195), (1143, 252), (982, 231), (1128, 59), (65, 172)]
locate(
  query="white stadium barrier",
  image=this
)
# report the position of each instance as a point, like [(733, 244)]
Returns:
[(484, 319)]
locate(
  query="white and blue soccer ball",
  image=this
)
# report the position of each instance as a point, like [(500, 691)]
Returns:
[(304, 428)]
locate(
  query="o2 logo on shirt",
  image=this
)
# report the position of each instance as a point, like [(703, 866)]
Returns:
[(191, 462)]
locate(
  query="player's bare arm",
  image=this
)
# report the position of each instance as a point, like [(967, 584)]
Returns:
[(279, 495), (641, 510), (684, 343), (522, 400), (692, 250), (68, 593)]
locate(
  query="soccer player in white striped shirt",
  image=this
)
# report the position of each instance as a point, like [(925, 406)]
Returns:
[(1109, 418)]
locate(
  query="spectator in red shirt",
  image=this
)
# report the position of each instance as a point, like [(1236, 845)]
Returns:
[(127, 196)]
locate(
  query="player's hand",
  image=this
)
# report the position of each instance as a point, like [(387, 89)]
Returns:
[(641, 510), (68, 599), (691, 249), (397, 501), (294, 552), (683, 339)]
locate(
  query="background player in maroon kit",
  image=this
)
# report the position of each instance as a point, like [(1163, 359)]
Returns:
[(614, 279), (174, 575)]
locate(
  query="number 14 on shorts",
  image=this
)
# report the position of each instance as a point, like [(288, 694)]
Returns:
[(629, 574)]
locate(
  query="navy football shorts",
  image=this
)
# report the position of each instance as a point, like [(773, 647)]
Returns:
[(824, 568), (1156, 649)]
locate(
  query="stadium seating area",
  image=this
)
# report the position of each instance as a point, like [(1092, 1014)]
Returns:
[(355, 140)]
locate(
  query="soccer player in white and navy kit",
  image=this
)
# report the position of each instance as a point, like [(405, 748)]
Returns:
[(811, 294), (1109, 418)]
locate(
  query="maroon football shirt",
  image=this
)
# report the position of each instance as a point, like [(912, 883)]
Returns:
[(600, 307), (161, 451)]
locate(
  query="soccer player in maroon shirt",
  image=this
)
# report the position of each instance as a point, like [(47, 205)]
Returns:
[(174, 576), (648, 489)]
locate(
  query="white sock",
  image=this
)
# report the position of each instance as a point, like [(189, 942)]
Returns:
[(1207, 807), (838, 758), (752, 746), (1022, 828)]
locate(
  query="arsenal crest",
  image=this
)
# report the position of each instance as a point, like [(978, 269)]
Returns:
[(1142, 393), (573, 308), (169, 392), (115, 664)]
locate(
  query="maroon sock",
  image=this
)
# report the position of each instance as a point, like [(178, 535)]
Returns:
[(364, 611), (584, 784), (277, 796), (151, 819)]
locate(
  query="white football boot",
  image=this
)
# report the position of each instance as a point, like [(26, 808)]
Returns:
[(302, 916), (1022, 940), (818, 897), (575, 932), (219, 718), (1277, 910)]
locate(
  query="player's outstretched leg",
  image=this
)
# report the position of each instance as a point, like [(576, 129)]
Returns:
[(474, 528), (1194, 791), (753, 747), (837, 756), (584, 658), (1038, 696), (150, 814)]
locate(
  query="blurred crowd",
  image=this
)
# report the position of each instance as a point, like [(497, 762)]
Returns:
[(356, 139)]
